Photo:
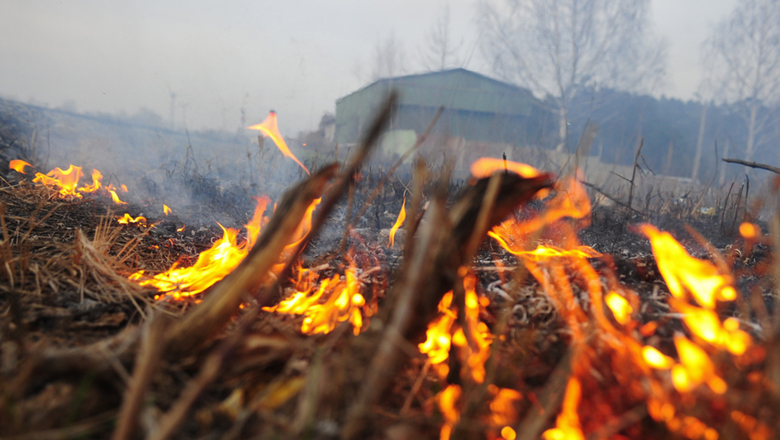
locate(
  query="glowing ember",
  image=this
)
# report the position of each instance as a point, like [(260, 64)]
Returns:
[(620, 307), (567, 425), (18, 165), (398, 223), (270, 128), (749, 230), (128, 219), (507, 433), (684, 273), (167, 210)]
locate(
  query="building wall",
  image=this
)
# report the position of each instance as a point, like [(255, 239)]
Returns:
[(476, 108)]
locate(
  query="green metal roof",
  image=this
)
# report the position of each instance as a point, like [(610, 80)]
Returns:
[(456, 89)]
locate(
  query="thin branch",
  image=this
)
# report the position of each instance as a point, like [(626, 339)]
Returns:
[(762, 166)]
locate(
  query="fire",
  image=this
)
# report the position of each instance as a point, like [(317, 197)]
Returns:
[(684, 273), (695, 367), (749, 230), (571, 200), (443, 332), (486, 166), (18, 165), (620, 307), (438, 336), (167, 210), (66, 182), (128, 219), (398, 223), (212, 264), (567, 426), (503, 411), (706, 325), (270, 128), (333, 302), (448, 405), (543, 252), (656, 359)]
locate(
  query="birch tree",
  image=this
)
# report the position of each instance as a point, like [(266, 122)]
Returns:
[(389, 58), (440, 51), (742, 56), (558, 48)]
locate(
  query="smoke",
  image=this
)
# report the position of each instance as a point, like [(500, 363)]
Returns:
[(204, 176)]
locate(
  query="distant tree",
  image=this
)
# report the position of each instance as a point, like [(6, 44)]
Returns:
[(389, 58), (440, 51), (561, 47), (742, 56)]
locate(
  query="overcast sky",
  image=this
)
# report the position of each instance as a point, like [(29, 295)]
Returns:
[(294, 56)]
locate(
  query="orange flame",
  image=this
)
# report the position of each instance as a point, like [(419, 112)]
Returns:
[(749, 230), (333, 302), (66, 182), (502, 408), (448, 405), (439, 337), (181, 229), (486, 166), (398, 222), (167, 210), (706, 325), (684, 273), (620, 307), (211, 266), (443, 332), (127, 219), (567, 426), (695, 368), (656, 359), (270, 128), (543, 252), (18, 165), (571, 200)]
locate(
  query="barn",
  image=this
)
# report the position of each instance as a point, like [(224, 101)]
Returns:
[(482, 115)]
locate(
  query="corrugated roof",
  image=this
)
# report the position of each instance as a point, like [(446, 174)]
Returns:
[(459, 89)]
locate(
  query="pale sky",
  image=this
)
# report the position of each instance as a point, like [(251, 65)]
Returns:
[(294, 56)]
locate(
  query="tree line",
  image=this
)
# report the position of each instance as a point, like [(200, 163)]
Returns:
[(599, 62)]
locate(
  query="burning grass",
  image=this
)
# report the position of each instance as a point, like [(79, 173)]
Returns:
[(531, 333)]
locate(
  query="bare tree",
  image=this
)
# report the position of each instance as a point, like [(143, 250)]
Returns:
[(389, 58), (742, 57), (439, 51), (560, 47)]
